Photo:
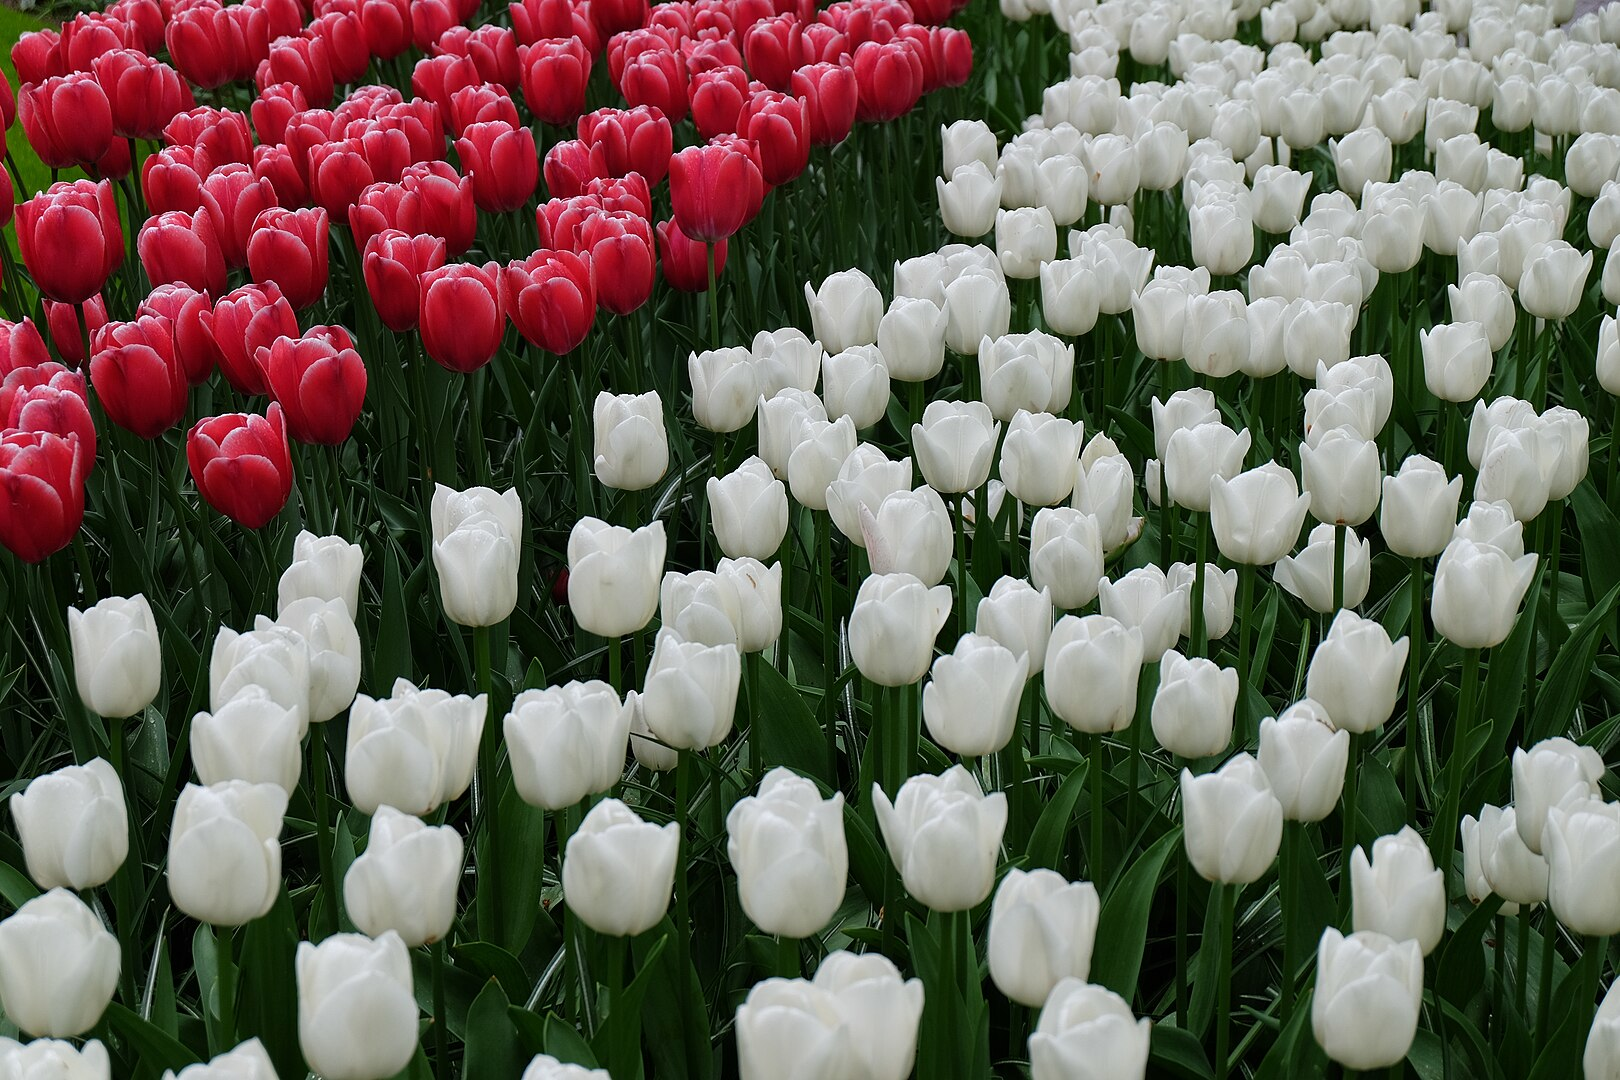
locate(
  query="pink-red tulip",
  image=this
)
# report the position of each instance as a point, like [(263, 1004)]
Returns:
[(71, 239), (242, 322), (711, 189), (684, 261), (41, 492), (67, 119), (288, 248), (461, 316), (503, 162), (550, 299), (393, 265), (242, 465), (138, 376), (180, 248), (191, 314), (636, 140), (319, 381)]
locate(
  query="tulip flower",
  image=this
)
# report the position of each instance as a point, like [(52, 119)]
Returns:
[(70, 239), (138, 375), (689, 699), (251, 737), (73, 826), (613, 575), (1145, 599), (1553, 773), (1369, 992), (248, 1061), (322, 568), (414, 750), (910, 533), (1040, 458), (1193, 706), (911, 339), (786, 359), (190, 314), (943, 834), (566, 742), (550, 299), (1309, 575), (21, 345), (1553, 280), (405, 881), (855, 383), (970, 199), (856, 1018), (865, 478), (1477, 591), (1356, 672), (42, 475), (709, 190), (749, 510), (1418, 508), (1304, 759), (1457, 360), (1032, 371), (893, 625), (1581, 841), (477, 543), (117, 659), (632, 451), (287, 248), (182, 248), (357, 1015), (273, 658), (831, 93), (619, 871), (241, 465), (816, 459), (244, 321), (780, 417), (1086, 1032), (1232, 822), (787, 847), (393, 265), (1341, 474), (462, 315), (224, 857), (954, 444), (1399, 892), (58, 967), (1019, 617), (67, 119), (1066, 555), (845, 311), (333, 648), (1042, 929), (49, 399), (546, 1067), (978, 306), (1501, 861), (1256, 515), (502, 161), (970, 705), (725, 388), (319, 381)]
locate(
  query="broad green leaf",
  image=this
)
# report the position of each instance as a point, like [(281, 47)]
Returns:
[(566, 1044), (491, 1039), (1566, 679), (1176, 1052), (790, 736), (1046, 842), (152, 1046), (1122, 926)]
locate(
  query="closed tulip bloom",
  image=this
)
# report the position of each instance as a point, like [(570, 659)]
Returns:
[(567, 742), (1477, 592), (224, 863), (393, 265), (855, 383), (1087, 1032), (42, 474), (857, 1018), (943, 834), (1025, 238), (251, 737), (59, 970), (700, 607), (1196, 457), (1457, 360), (1363, 156), (632, 451), (182, 248), (820, 449), (117, 658), (1042, 929), (1554, 279), (1115, 169), (1553, 772), (977, 306), (910, 532), (1256, 515), (954, 444), (1355, 673), (613, 575), (73, 826), (1232, 821), (1066, 555), (477, 542), (1304, 759), (689, 699), (550, 298), (67, 119), (1222, 234), (1309, 575), (405, 881), (233, 197), (845, 311), (1070, 296), (725, 388), (271, 657), (1146, 600), (749, 510), (1485, 299), (619, 871), (1018, 616), (1342, 475), (1517, 466), (970, 200), (1033, 371), (704, 184), (1582, 845), (1419, 508), (1040, 458), (1399, 893), (1193, 706), (893, 625), (320, 382), (787, 847), (1216, 335), (1502, 412), (1508, 867), (1093, 664), (546, 1067), (865, 478), (786, 359), (970, 706), (248, 1061), (1278, 198), (333, 646), (1601, 1058), (462, 315), (357, 1016), (413, 751), (70, 239), (1159, 312), (1369, 992), (323, 568), (1568, 433), (1220, 597), (965, 141), (502, 161), (759, 601), (288, 249)]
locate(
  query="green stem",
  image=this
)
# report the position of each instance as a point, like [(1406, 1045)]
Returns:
[(960, 529), (1592, 961), (1227, 898), (683, 900), (323, 826), (829, 638), (1549, 951), (1094, 855), (1352, 771), (756, 714), (1441, 840), (1181, 941), (1288, 899), (788, 963), (441, 1030), (1414, 673), (1200, 631), (1245, 675), (1338, 566), (225, 983), (489, 746), (714, 300)]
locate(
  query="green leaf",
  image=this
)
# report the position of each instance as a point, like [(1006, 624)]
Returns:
[(1461, 974), (1177, 1052), (1046, 842), (268, 1006), (621, 1031), (493, 962), (15, 887), (1566, 679), (566, 1044), (521, 838), (1600, 538), (153, 1046), (791, 735), (1295, 1055), (391, 656), (1117, 961), (491, 1039)]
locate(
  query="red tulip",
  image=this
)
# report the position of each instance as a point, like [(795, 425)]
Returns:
[(217, 137), (318, 380), (711, 189), (70, 239), (67, 119), (830, 95), (933, 12), (492, 49), (620, 250), (208, 44), (181, 248), (889, 78), (137, 376), (233, 198), (21, 345), (952, 53), (559, 221), (364, 102), (241, 323), (388, 26), (418, 122), (191, 314), (570, 165), (49, 398), (37, 55), (429, 20), (612, 16), (393, 264), (746, 14), (144, 94), (537, 20), (281, 19), (685, 262), (8, 103), (437, 78), (347, 51), (242, 465), (717, 100), (550, 299), (554, 74), (69, 324), (631, 140), (338, 173), (627, 192), (275, 164), (625, 47), (300, 60), (438, 202), (461, 317), (820, 43), (657, 78), (675, 19), (379, 207), (777, 125), (287, 248), (41, 492), (706, 54), (145, 20), (112, 165), (8, 198), (91, 35), (503, 162), (480, 104), (771, 47)]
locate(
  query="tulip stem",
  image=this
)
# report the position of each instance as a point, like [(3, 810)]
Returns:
[(1094, 858), (441, 1030), (83, 319), (787, 957), (477, 449), (1414, 684), (1288, 900), (1442, 839), (1338, 566), (1181, 941), (489, 862), (1227, 898), (1245, 675), (1200, 627), (1521, 971), (225, 984), (1549, 951), (829, 640), (960, 530), (713, 298), (1597, 949), (756, 714), (323, 828), (683, 902)]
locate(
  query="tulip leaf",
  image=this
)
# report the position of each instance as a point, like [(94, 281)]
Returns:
[(1600, 541), (791, 735), (1566, 679), (1177, 1052), (1504, 684), (391, 656), (1046, 842), (619, 1037), (491, 1039), (1461, 972), (152, 1046), (1380, 804), (269, 1008), (1295, 1055), (1117, 961), (521, 837), (565, 1043), (15, 888), (866, 858), (492, 962)]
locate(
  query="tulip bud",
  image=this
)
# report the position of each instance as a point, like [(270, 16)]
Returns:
[(334, 652), (857, 1018), (1309, 575), (749, 510), (786, 359), (969, 201), (1567, 433), (690, 696), (954, 445), (1457, 360), (272, 657), (911, 339), (1554, 279), (249, 1061), (970, 706), (1040, 458), (909, 533), (405, 881), (1304, 759), (73, 826), (725, 388), (241, 464), (1070, 296), (117, 659), (1256, 515), (865, 478), (1092, 667), (845, 311), (1145, 600), (224, 865), (322, 568), (1193, 706), (1042, 929), (1087, 1032), (1553, 773), (1232, 821), (619, 871), (566, 742), (58, 970), (477, 541), (1066, 555), (820, 449), (965, 141), (1500, 861), (414, 750), (613, 575), (1419, 508), (1399, 893), (893, 625), (1369, 992), (1019, 617), (1342, 475), (1025, 238), (1355, 673), (855, 383), (943, 834), (788, 849), (251, 737), (1477, 592), (1582, 844), (1601, 1058), (632, 451), (546, 1067), (357, 1015)]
